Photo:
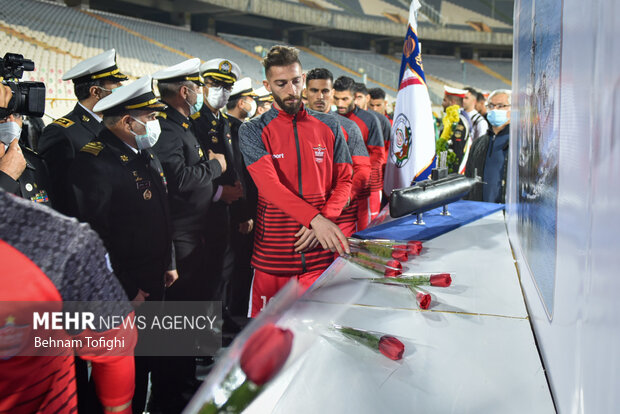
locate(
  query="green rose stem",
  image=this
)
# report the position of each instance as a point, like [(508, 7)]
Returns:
[(239, 398)]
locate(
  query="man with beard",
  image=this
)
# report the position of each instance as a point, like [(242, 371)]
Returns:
[(302, 170), (93, 80), (344, 98), (319, 89)]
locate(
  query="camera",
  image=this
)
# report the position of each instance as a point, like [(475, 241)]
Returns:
[(28, 97)]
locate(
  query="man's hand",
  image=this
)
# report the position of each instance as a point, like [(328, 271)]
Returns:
[(306, 240), (329, 235), (5, 96), (231, 193), (12, 162), (140, 298), (219, 157), (246, 227), (170, 277)]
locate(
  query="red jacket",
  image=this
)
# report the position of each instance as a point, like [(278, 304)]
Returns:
[(373, 138), (301, 167)]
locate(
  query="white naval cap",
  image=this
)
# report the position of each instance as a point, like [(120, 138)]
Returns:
[(461, 93), (243, 87), (263, 95), (136, 95), (101, 66), (188, 70), (223, 70)]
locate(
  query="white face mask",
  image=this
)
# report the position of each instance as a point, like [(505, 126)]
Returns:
[(218, 97), (252, 110), (9, 131), (150, 137)]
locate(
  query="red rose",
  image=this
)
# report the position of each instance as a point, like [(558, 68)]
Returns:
[(424, 300), (441, 280), (414, 247), (393, 268), (399, 252), (265, 352), (391, 347)]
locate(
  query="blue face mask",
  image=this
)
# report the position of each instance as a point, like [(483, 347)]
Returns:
[(199, 102), (497, 117)]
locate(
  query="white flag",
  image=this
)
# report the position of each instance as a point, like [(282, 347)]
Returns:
[(412, 146)]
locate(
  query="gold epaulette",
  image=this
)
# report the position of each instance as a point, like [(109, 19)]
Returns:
[(224, 115), (93, 148), (64, 122), (162, 115), (195, 116)]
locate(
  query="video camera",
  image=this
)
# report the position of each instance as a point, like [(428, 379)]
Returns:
[(28, 97)]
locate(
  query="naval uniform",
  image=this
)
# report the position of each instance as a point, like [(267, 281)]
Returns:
[(214, 134), (123, 195), (190, 175), (58, 145), (34, 183)]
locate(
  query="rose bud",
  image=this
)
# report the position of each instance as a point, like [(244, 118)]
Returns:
[(393, 268), (441, 280), (265, 352), (399, 253), (424, 300), (391, 347), (414, 247)]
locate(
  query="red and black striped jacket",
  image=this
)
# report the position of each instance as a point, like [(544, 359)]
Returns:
[(301, 167), (373, 138), (360, 190)]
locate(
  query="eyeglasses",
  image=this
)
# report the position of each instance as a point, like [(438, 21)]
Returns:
[(498, 106)]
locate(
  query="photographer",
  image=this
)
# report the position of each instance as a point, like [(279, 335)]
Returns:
[(26, 174)]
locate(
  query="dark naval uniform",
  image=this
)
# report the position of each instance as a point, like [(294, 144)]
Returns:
[(58, 145), (242, 210), (34, 183), (214, 134), (123, 195), (190, 180)]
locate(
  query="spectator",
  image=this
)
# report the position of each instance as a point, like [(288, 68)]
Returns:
[(479, 125), (489, 154)]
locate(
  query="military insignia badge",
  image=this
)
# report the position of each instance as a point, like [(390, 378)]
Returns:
[(124, 158), (214, 140), (29, 187), (200, 153), (147, 194), (185, 125), (85, 118), (225, 66), (93, 148), (64, 122), (213, 122)]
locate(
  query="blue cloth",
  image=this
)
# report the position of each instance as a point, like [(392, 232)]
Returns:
[(461, 213), (497, 158)]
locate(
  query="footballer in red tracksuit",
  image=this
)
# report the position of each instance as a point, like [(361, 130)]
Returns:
[(360, 189), (301, 166), (373, 138)]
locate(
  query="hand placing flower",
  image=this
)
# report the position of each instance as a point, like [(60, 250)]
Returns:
[(388, 345)]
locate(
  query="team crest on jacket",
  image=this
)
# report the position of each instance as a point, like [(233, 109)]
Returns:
[(319, 153), (401, 143)]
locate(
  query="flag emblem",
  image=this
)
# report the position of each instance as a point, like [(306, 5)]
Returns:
[(402, 141)]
